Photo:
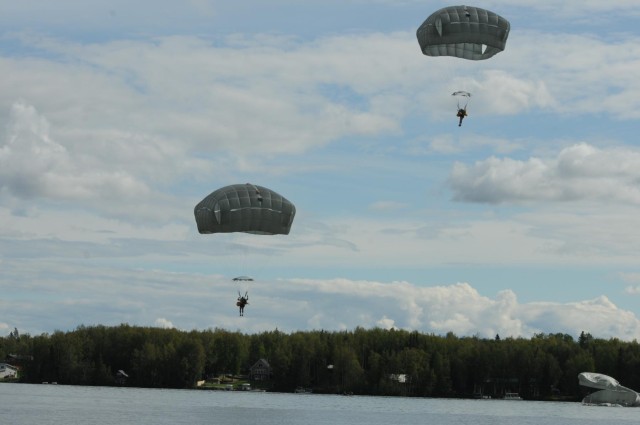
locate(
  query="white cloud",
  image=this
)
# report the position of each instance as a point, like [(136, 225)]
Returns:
[(33, 164), (280, 97), (93, 295), (571, 8), (630, 277), (509, 95), (163, 323), (449, 144), (600, 316), (385, 323), (119, 117), (633, 290), (582, 74), (109, 144), (579, 172), (387, 206)]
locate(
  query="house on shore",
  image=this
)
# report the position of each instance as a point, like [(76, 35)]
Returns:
[(7, 371), (260, 371)]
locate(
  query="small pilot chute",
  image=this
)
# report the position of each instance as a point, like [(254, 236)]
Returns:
[(243, 279), (462, 98)]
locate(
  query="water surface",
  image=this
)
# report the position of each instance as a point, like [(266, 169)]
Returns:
[(27, 404)]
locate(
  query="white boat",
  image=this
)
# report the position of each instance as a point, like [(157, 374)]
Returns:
[(610, 392), (512, 396)]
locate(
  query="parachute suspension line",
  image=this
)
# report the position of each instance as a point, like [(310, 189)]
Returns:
[(459, 95)]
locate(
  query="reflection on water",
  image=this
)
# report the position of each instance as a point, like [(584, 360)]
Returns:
[(24, 404)]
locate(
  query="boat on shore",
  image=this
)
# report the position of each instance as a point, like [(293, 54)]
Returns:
[(512, 396)]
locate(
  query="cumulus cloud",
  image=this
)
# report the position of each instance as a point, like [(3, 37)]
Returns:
[(151, 111), (574, 76), (503, 93), (600, 315), (215, 93), (163, 323), (634, 280), (95, 295), (109, 144), (33, 165), (292, 95), (579, 172), (385, 323), (459, 308)]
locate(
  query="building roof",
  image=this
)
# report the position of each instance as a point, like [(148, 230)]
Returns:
[(261, 363)]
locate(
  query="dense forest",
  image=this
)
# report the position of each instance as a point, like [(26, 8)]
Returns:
[(362, 361)]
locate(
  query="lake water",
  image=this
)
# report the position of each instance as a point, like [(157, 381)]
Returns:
[(26, 404)]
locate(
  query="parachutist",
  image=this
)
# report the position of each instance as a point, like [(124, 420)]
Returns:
[(461, 114), (244, 208), (463, 100), (242, 302)]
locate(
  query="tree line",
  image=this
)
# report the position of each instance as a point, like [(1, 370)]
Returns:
[(362, 361)]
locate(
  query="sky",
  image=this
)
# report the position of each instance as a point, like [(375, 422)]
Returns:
[(118, 117)]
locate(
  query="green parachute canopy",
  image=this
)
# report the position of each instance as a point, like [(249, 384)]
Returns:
[(463, 31), (245, 208), (242, 279)]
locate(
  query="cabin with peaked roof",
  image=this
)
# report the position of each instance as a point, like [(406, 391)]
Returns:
[(260, 371)]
